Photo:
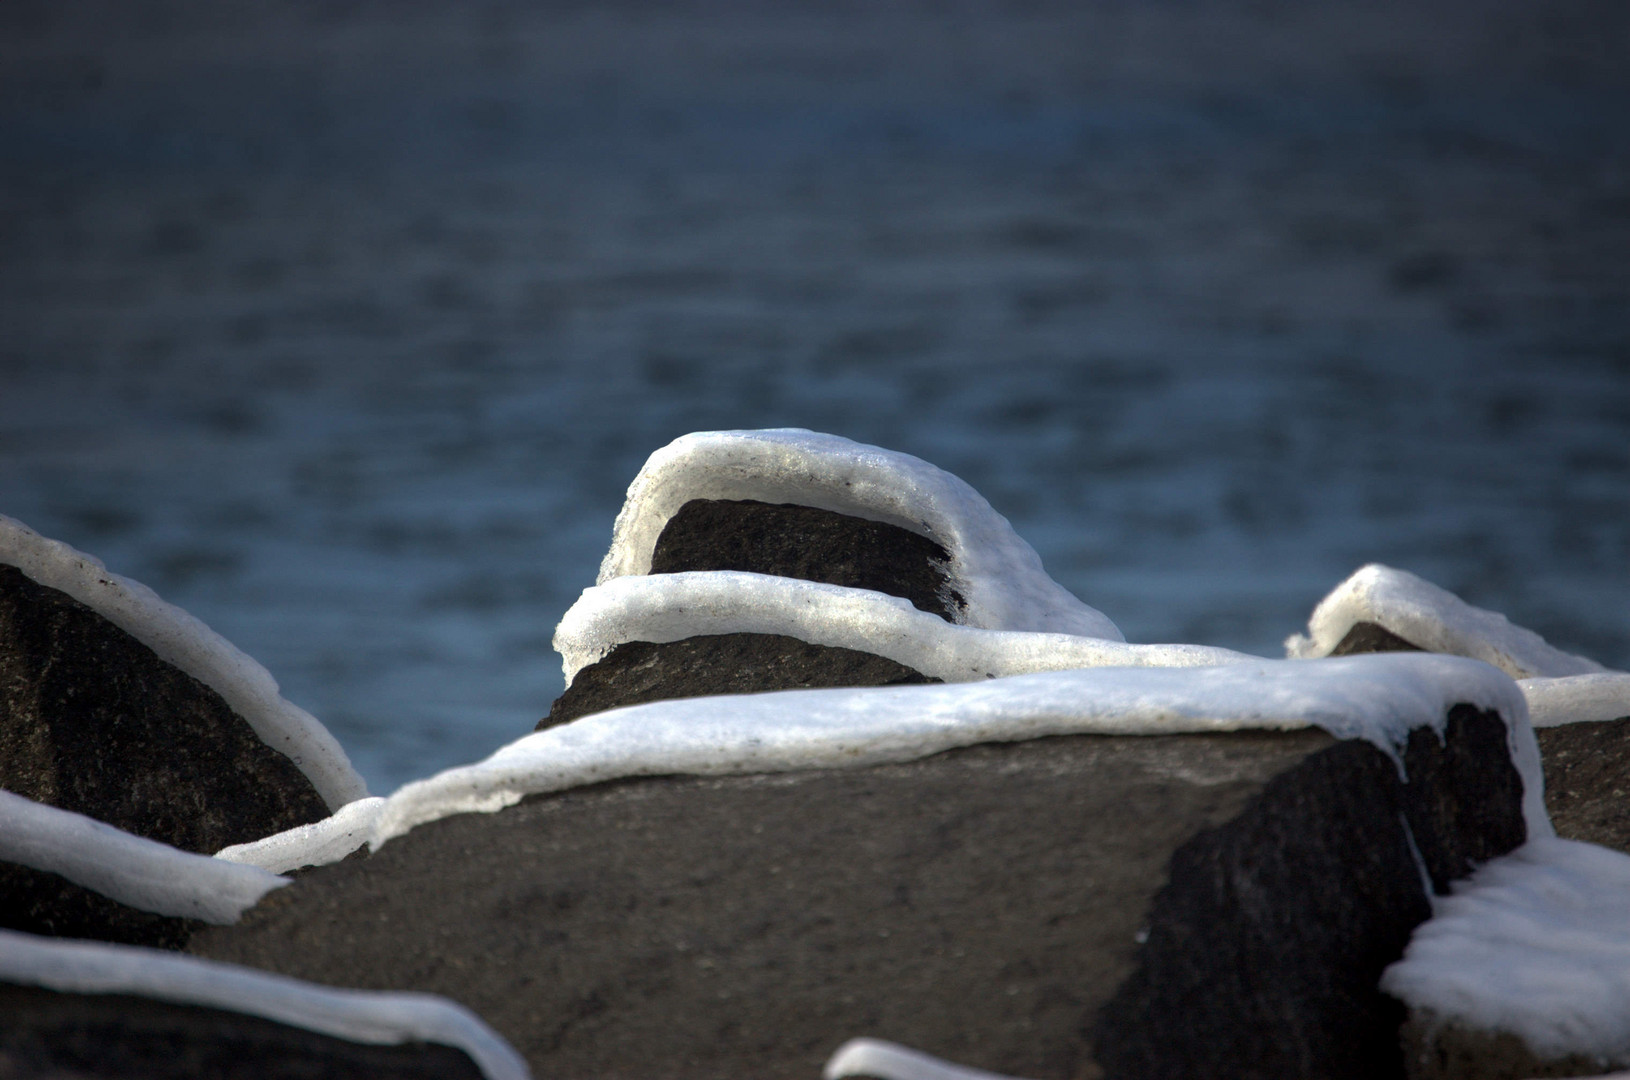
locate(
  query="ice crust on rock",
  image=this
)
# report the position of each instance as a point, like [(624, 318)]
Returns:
[(182, 640), (668, 607), (1433, 619), (1376, 697), (317, 844), (1535, 943), (998, 575), (1577, 699), (890, 1061), (133, 870), (380, 1018)]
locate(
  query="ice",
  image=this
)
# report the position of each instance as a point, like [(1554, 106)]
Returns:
[(317, 844), (1378, 697), (1535, 943), (998, 574), (380, 1018), (668, 607), (133, 870), (1576, 699), (184, 641), (891, 1061), (1434, 619)]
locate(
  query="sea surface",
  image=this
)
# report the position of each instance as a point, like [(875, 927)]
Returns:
[(346, 326)]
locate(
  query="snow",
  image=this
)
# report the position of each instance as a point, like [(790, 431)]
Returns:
[(1379, 697), (891, 1061), (133, 870), (380, 1018), (1433, 619), (317, 844), (1577, 699), (180, 639), (998, 574), (668, 607), (1535, 943)]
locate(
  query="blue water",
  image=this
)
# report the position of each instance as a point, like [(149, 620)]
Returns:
[(347, 334)]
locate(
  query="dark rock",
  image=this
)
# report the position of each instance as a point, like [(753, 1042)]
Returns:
[(815, 545), (1587, 780), (1439, 1049), (50, 905), (91, 720), (64, 1036), (1266, 946), (982, 905), (636, 672), (1368, 637)]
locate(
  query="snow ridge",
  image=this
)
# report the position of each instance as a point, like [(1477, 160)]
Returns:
[(997, 573)]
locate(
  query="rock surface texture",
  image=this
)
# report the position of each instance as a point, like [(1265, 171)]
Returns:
[(640, 671), (1439, 1049), (1033, 908), (92, 721), (809, 543), (62, 1036), (1587, 781)]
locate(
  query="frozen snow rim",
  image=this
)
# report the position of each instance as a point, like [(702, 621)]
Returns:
[(1380, 698), (1577, 699), (316, 844), (1535, 943), (137, 872), (1433, 619), (891, 1061), (184, 641), (379, 1018), (998, 575), (663, 608)]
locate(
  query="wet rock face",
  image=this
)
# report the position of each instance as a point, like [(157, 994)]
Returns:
[(91, 720), (803, 542), (1129, 906), (58, 1035), (640, 671), (1586, 785)]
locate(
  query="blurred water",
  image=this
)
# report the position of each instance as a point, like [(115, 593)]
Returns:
[(346, 327)]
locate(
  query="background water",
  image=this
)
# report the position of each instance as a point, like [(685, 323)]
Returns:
[(345, 326)]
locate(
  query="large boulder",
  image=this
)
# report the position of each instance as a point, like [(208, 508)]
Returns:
[(91, 720), (1089, 873), (78, 1009)]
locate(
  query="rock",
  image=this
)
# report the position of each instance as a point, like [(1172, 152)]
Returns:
[(56, 1035), (1586, 786), (1368, 637), (641, 671), (1217, 904), (1438, 1048), (808, 543), (87, 1009), (91, 720), (40, 902)]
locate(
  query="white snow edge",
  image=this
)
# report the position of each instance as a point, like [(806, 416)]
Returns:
[(1433, 619), (379, 1018), (668, 607), (891, 1061), (1577, 699), (182, 640), (1535, 943), (1378, 697), (999, 575), (133, 870), (317, 844)]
